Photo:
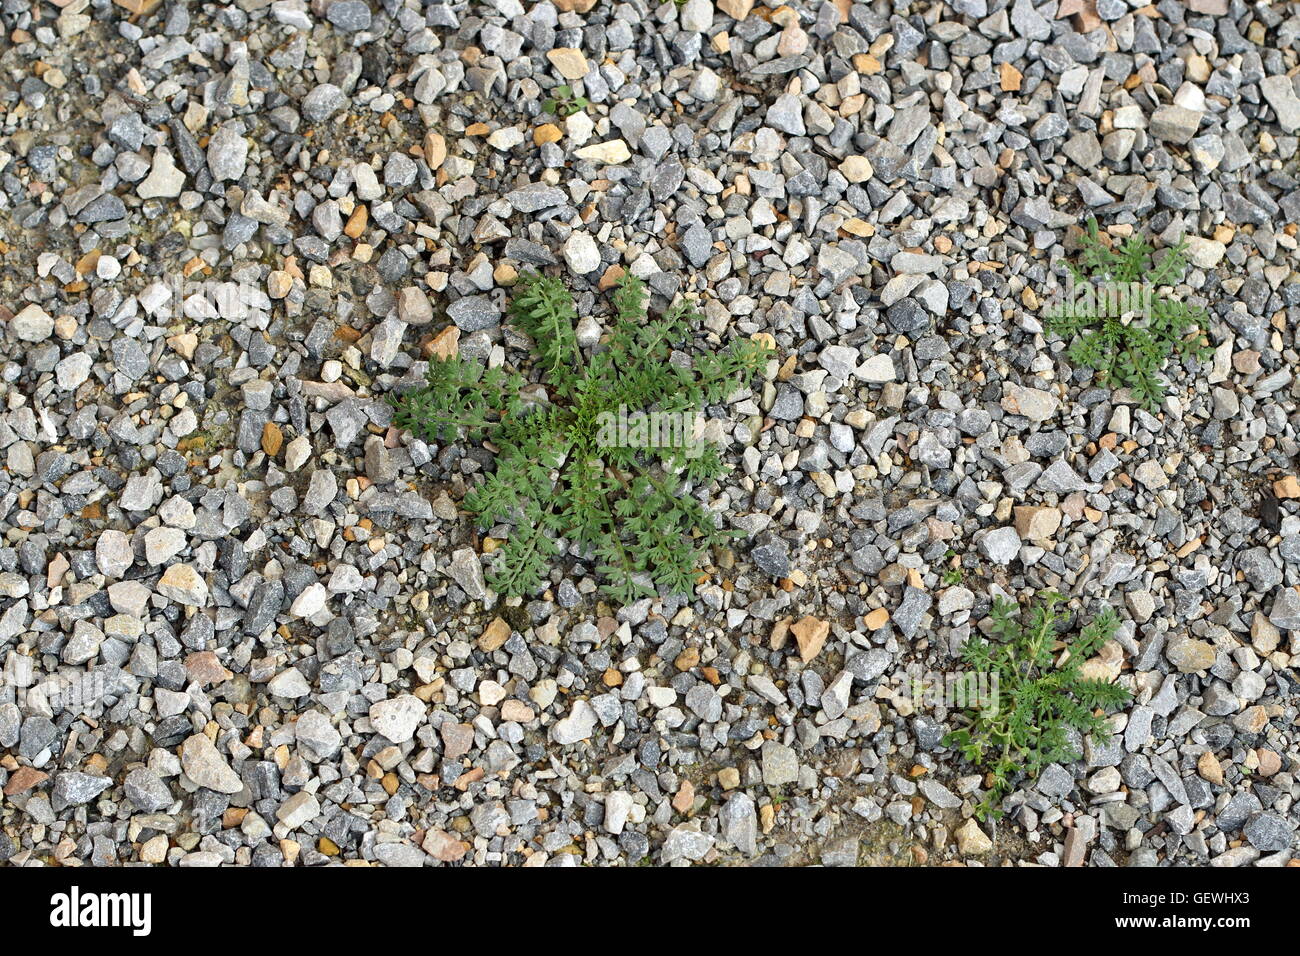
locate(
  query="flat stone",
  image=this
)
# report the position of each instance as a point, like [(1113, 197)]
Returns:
[(1190, 655), (571, 64), (1033, 403), (165, 180), (349, 16), (73, 371), (301, 808), (31, 324), (322, 102), (1036, 523), (289, 684), (878, 370), (772, 557), (810, 634), (780, 764), (696, 16), (612, 153), (535, 197), (398, 717), (739, 823), (72, 788), (1281, 95), (1205, 253), (786, 114), (227, 152), (314, 731), (867, 666), (971, 840), (146, 791), (386, 341), (1175, 124), (457, 739), (1285, 612), (107, 208), (578, 726), (685, 843), (466, 570), (113, 554), (162, 544), (909, 614), (1001, 545), (473, 313), (938, 794), (1269, 832), (581, 253), (205, 765), (183, 584)]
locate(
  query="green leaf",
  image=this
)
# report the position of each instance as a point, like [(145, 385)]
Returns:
[(634, 505), (1038, 703), (1122, 352)]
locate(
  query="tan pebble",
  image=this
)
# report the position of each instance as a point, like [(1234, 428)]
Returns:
[(610, 278), (876, 619), (1287, 487), (278, 284), (445, 345), (517, 711), (494, 635), (356, 224), (810, 634), (857, 169), (972, 841), (272, 439), (547, 133), (1209, 768), (1269, 762), (736, 9), (687, 659), (435, 149), (154, 850), (570, 62), (685, 797)]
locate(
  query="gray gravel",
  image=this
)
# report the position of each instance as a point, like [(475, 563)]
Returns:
[(244, 621)]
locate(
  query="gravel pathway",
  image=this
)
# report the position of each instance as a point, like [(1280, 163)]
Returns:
[(243, 619)]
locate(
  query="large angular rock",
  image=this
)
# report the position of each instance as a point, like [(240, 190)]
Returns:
[(205, 765), (578, 726), (398, 717)]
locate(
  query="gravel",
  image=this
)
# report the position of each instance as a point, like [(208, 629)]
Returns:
[(233, 589)]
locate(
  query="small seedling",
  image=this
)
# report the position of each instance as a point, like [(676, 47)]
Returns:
[(563, 470), (953, 573), (1038, 694), (1120, 322), (564, 103)]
